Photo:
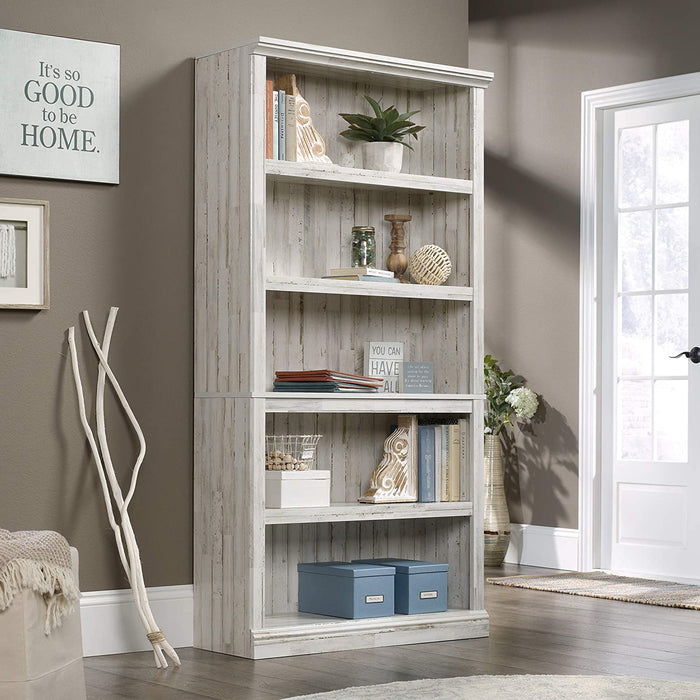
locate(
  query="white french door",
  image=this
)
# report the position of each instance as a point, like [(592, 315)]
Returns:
[(650, 437)]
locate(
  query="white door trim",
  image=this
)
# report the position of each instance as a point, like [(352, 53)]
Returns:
[(594, 103)]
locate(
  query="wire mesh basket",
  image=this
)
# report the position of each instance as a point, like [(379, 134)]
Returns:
[(291, 452)]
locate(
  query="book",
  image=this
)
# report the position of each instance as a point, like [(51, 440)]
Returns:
[(291, 128), (455, 463), (360, 278), (426, 463), (268, 120), (325, 375), (323, 387), (275, 125), (282, 111), (445, 475), (416, 377), (438, 462), (370, 271)]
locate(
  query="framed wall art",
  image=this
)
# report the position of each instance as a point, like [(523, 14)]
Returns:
[(59, 113), (24, 254)]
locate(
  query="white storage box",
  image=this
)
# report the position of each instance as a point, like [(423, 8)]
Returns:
[(34, 665), (297, 489)]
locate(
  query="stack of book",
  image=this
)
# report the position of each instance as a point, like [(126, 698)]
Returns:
[(325, 380), (280, 124), (441, 450), (363, 274)]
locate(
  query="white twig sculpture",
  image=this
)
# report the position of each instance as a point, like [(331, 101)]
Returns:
[(123, 531)]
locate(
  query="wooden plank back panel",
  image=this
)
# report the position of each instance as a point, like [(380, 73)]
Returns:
[(310, 229), (447, 541), (311, 331)]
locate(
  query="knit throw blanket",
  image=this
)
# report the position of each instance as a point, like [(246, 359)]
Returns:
[(40, 561)]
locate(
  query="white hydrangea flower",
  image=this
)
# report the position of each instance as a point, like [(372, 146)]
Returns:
[(524, 402)]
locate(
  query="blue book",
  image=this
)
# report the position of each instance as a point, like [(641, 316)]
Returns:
[(275, 125), (426, 463)]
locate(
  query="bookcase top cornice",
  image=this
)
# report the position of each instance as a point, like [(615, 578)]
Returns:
[(311, 58)]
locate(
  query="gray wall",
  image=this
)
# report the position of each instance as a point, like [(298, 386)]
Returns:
[(544, 54), (131, 246)]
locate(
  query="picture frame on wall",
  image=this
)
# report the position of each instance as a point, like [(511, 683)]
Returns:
[(24, 254), (59, 116)]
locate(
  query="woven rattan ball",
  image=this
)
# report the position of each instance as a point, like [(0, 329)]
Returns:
[(430, 264)]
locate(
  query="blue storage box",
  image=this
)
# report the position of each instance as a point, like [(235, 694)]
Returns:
[(420, 586), (346, 590)]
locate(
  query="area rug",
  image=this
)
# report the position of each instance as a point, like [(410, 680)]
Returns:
[(596, 584), (518, 688)]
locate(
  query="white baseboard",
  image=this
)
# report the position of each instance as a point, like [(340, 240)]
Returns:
[(111, 624), (549, 547)]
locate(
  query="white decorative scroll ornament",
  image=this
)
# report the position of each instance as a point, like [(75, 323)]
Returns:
[(310, 144), (124, 532), (394, 480), (8, 252)]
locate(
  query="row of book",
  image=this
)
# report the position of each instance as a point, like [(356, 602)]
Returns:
[(441, 451), (362, 274), (280, 124), (325, 380)]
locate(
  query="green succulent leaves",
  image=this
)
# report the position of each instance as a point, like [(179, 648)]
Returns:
[(385, 125)]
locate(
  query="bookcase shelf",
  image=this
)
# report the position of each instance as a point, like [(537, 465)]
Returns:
[(306, 402), (266, 232), (340, 176), (304, 633), (350, 512), (313, 285)]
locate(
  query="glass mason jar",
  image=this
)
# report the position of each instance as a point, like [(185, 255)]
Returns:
[(363, 246)]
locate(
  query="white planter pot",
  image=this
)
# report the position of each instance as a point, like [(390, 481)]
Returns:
[(382, 155)]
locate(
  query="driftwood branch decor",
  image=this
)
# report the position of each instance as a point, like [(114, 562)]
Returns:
[(123, 531)]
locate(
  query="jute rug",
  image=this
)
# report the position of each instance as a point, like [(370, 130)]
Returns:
[(595, 584), (519, 688)]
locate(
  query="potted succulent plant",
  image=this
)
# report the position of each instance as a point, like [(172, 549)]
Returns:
[(382, 135)]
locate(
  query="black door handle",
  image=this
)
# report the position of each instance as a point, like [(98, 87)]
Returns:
[(693, 355)]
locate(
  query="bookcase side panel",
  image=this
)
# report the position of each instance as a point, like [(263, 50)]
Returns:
[(228, 517), (229, 220), (476, 339)]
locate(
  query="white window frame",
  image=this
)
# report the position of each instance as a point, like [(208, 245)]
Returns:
[(594, 105)]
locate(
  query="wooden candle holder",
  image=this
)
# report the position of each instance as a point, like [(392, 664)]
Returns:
[(397, 261)]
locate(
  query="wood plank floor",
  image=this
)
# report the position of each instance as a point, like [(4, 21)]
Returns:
[(531, 632)]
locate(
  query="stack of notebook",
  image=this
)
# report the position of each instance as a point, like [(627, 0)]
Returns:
[(325, 380)]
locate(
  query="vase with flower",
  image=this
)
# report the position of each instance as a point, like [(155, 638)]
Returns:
[(505, 396)]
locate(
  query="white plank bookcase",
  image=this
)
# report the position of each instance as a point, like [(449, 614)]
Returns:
[(265, 234)]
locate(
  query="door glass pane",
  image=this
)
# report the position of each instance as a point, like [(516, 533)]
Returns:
[(634, 420), (671, 334), (634, 245), (671, 421), (672, 248), (634, 338), (636, 161), (672, 162)]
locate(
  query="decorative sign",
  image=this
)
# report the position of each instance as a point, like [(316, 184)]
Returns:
[(59, 107), (382, 359), (416, 378)]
